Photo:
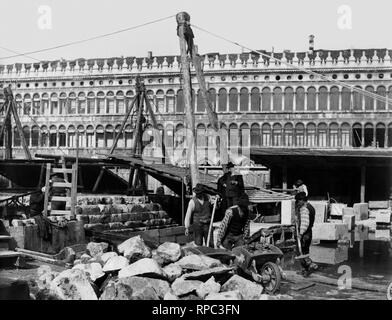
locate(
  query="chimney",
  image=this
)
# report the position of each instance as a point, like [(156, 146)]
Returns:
[(311, 44), (149, 54)]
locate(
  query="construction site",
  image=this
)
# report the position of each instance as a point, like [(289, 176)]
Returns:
[(101, 213)]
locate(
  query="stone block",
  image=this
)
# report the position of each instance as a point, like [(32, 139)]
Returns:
[(350, 221), (330, 231), (379, 204), (382, 216), (361, 211), (328, 254), (348, 211), (321, 210), (361, 233), (287, 212), (382, 234)]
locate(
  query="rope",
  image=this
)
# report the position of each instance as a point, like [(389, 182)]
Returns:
[(323, 77)]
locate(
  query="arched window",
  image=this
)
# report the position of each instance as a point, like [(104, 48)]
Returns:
[(212, 98), (346, 99), (160, 97), (26, 104), (71, 137), (120, 103), (45, 104), (180, 101), (151, 99), (52, 136), (63, 103), (311, 137), (200, 102), (277, 135), (99, 137), (244, 99), (322, 135), (179, 135), (15, 133), (357, 135), (244, 135), (81, 103), (44, 141), (266, 135), (357, 100), (169, 139), (369, 135), (100, 106), (233, 100), (170, 101), (26, 133), (266, 99), (390, 98), (381, 91), (323, 99), (334, 135), (345, 131), (222, 103), (255, 99), (311, 102), (201, 137), (36, 110), (110, 103), (300, 99), (109, 136), (128, 136), (389, 135), (334, 98), (72, 103), (380, 135), (288, 99), (62, 136), (255, 135), (288, 134), (19, 104), (81, 136), (120, 142), (233, 136), (369, 102), (90, 103), (129, 98), (300, 135), (90, 143), (54, 104), (277, 106), (34, 136)]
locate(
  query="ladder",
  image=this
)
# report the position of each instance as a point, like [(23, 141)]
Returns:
[(69, 199)]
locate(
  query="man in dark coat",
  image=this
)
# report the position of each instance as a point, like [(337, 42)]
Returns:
[(222, 183), (234, 186)]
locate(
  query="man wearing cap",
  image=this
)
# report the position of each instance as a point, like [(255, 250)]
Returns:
[(235, 226), (234, 185), (199, 215), (299, 186), (305, 215)]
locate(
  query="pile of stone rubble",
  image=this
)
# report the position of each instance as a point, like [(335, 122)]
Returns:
[(134, 271)]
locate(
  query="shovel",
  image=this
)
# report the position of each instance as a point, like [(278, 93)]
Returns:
[(301, 256), (211, 223)]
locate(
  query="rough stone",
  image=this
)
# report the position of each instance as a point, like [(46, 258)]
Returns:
[(228, 295), (248, 289), (276, 297), (93, 270), (108, 255), (45, 277), (203, 275), (182, 287), (97, 249), (157, 257), (169, 251), (85, 258), (198, 262), (115, 263), (170, 296), (146, 267), (172, 271), (134, 249), (72, 284), (208, 287)]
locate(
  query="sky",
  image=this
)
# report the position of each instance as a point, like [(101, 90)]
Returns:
[(257, 24)]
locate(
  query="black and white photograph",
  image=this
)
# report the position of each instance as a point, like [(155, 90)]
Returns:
[(195, 154)]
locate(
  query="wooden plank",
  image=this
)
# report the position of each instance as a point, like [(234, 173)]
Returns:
[(8, 254), (60, 198), (74, 188), (62, 184), (46, 198), (59, 212), (61, 170)]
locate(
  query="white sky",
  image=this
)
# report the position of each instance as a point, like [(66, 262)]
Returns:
[(258, 24)]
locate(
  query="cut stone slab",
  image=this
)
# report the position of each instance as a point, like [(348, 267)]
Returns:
[(228, 295), (115, 263), (169, 252), (320, 208), (131, 288), (208, 287), (203, 275), (108, 255), (382, 216), (72, 284), (97, 249), (361, 211), (93, 270), (328, 254), (348, 211), (350, 221), (330, 231), (182, 287), (198, 262), (144, 267), (383, 234), (379, 204), (248, 289), (172, 271), (134, 249)]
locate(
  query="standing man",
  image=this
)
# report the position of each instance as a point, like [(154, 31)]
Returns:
[(199, 215), (234, 185), (299, 186), (305, 215), (222, 184), (235, 227)]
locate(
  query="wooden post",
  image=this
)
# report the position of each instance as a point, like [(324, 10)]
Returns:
[(8, 134), (363, 182), (183, 19)]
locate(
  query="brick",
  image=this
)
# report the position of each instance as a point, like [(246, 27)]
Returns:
[(361, 211), (328, 254), (330, 231)]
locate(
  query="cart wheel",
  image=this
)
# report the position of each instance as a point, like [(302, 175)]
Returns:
[(272, 270)]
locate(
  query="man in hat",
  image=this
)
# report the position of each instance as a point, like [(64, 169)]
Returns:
[(222, 183), (234, 185), (199, 215), (305, 215), (299, 186), (235, 226)]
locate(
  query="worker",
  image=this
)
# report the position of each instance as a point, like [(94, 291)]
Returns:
[(235, 226), (199, 215), (36, 202), (222, 183), (299, 186), (234, 185), (305, 215)]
